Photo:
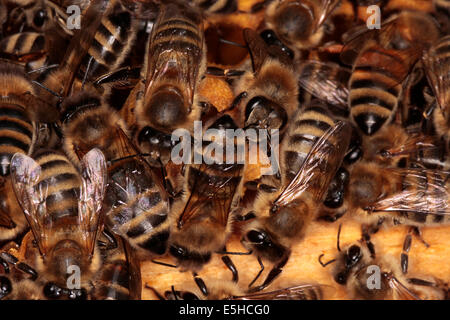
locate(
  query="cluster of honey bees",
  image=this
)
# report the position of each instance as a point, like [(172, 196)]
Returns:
[(91, 92)]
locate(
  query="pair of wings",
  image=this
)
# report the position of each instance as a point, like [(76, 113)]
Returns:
[(438, 71), (320, 165), (32, 194), (172, 60), (423, 191), (219, 206), (300, 292)]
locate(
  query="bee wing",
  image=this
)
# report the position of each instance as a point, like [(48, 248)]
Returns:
[(92, 191), (325, 8), (300, 292), (414, 143), (401, 292), (422, 191), (32, 194), (320, 165), (438, 72), (329, 85), (215, 197), (176, 63), (257, 47)]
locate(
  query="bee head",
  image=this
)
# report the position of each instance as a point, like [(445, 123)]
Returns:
[(263, 113), (294, 21), (264, 244), (348, 260)]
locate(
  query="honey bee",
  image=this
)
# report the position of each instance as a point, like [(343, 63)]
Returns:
[(101, 45), (37, 16), (438, 72), (354, 268), (299, 23), (175, 63), (136, 203), (312, 152), (223, 290), (63, 208), (269, 93), (381, 60), (211, 191)]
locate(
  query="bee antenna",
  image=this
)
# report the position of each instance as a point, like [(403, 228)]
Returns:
[(326, 263), (164, 264), (338, 238), (174, 292)]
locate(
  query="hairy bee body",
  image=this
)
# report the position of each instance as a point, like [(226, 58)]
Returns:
[(211, 191), (415, 197), (136, 204)]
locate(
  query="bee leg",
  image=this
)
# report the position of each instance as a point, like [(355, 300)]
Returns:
[(421, 282), (111, 240), (237, 100), (404, 255), (201, 285), (5, 265), (125, 75), (273, 274), (19, 265), (367, 240), (224, 73), (230, 265), (259, 273), (418, 233), (155, 292), (86, 72)]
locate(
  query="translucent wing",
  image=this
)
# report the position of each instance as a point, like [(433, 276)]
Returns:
[(175, 59), (92, 191), (324, 10), (300, 292), (419, 191), (210, 195), (325, 80), (320, 165), (32, 194), (438, 71)]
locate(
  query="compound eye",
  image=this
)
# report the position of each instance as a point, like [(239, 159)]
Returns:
[(341, 278), (353, 255), (39, 18), (52, 291), (256, 237), (178, 251), (5, 287), (254, 103)]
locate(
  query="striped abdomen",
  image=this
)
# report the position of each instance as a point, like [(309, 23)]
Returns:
[(217, 6), (430, 188), (374, 88), (306, 127), (17, 133), (111, 43), (137, 209), (23, 43), (61, 182)]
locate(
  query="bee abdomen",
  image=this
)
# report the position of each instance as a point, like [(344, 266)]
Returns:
[(111, 42), (306, 128), (23, 43), (61, 182), (17, 134)]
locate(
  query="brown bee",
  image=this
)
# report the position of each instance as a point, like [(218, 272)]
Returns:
[(312, 152), (381, 61), (136, 203), (62, 206), (299, 23)]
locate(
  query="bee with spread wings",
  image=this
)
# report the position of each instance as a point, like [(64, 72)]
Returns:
[(283, 216), (63, 207)]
